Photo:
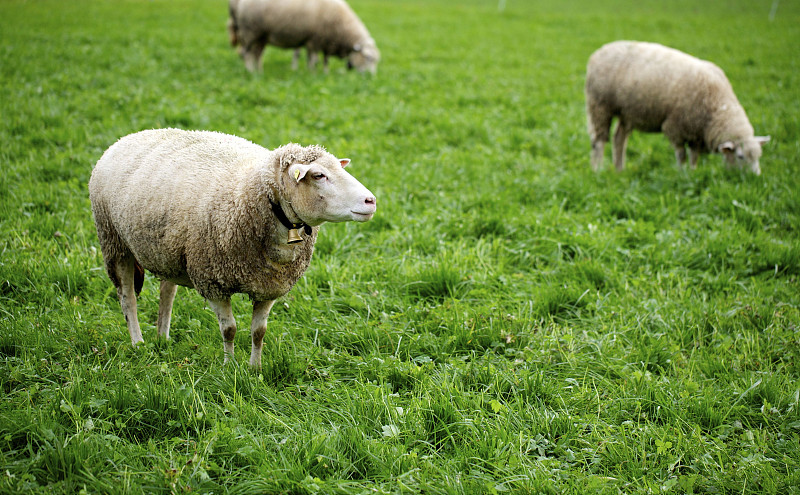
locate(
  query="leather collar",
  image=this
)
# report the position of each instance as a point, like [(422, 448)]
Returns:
[(278, 211)]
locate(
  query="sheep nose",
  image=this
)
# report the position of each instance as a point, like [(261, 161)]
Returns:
[(370, 200)]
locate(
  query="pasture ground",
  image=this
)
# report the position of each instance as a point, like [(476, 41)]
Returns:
[(509, 321)]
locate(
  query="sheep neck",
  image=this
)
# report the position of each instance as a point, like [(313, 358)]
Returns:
[(290, 226)]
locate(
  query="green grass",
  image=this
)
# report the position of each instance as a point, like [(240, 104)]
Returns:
[(509, 321)]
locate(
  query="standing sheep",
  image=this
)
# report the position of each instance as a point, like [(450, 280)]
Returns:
[(218, 213), (652, 88), (327, 26)]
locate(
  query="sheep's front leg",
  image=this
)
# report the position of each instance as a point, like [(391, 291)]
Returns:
[(694, 154), (258, 329), (227, 324), (252, 56), (167, 296), (127, 298), (680, 155)]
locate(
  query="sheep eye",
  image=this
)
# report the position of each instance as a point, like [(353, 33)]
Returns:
[(318, 176)]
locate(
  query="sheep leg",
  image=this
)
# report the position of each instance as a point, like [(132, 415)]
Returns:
[(620, 142), (126, 292), (325, 63), (227, 324), (167, 293), (295, 58), (598, 148), (694, 154), (252, 56), (313, 57), (258, 329), (680, 155), (598, 124)]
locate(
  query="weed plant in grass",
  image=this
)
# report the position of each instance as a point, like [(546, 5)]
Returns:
[(510, 321)]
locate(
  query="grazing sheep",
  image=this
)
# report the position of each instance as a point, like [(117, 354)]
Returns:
[(218, 213), (327, 26), (652, 88)]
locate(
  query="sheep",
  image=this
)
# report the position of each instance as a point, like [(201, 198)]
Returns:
[(653, 88), (327, 26), (219, 214)]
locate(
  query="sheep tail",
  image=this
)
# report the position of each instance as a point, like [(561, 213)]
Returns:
[(138, 277)]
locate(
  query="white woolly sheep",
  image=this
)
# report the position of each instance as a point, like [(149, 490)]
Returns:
[(327, 26), (653, 88), (217, 213)]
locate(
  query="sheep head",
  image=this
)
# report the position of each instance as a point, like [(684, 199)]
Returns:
[(747, 152), (365, 56), (319, 189)]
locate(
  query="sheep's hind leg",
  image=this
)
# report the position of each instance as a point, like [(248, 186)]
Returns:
[(227, 324), (258, 329), (126, 291), (295, 58), (598, 148), (598, 123), (167, 296), (313, 58), (620, 142)]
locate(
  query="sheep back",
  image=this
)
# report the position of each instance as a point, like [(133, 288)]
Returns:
[(292, 24)]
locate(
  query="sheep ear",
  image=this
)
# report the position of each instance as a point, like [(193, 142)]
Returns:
[(727, 147), (762, 139), (298, 170), (344, 162)]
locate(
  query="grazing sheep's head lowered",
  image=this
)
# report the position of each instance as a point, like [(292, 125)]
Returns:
[(746, 152), (364, 57)]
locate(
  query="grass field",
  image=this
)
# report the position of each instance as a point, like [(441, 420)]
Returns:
[(508, 322)]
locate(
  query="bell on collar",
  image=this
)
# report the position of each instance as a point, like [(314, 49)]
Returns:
[(294, 237)]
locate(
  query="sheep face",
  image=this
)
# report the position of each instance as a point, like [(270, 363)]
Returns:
[(745, 154), (364, 57), (322, 191)]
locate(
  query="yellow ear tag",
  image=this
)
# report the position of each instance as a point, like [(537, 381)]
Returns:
[(297, 174)]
